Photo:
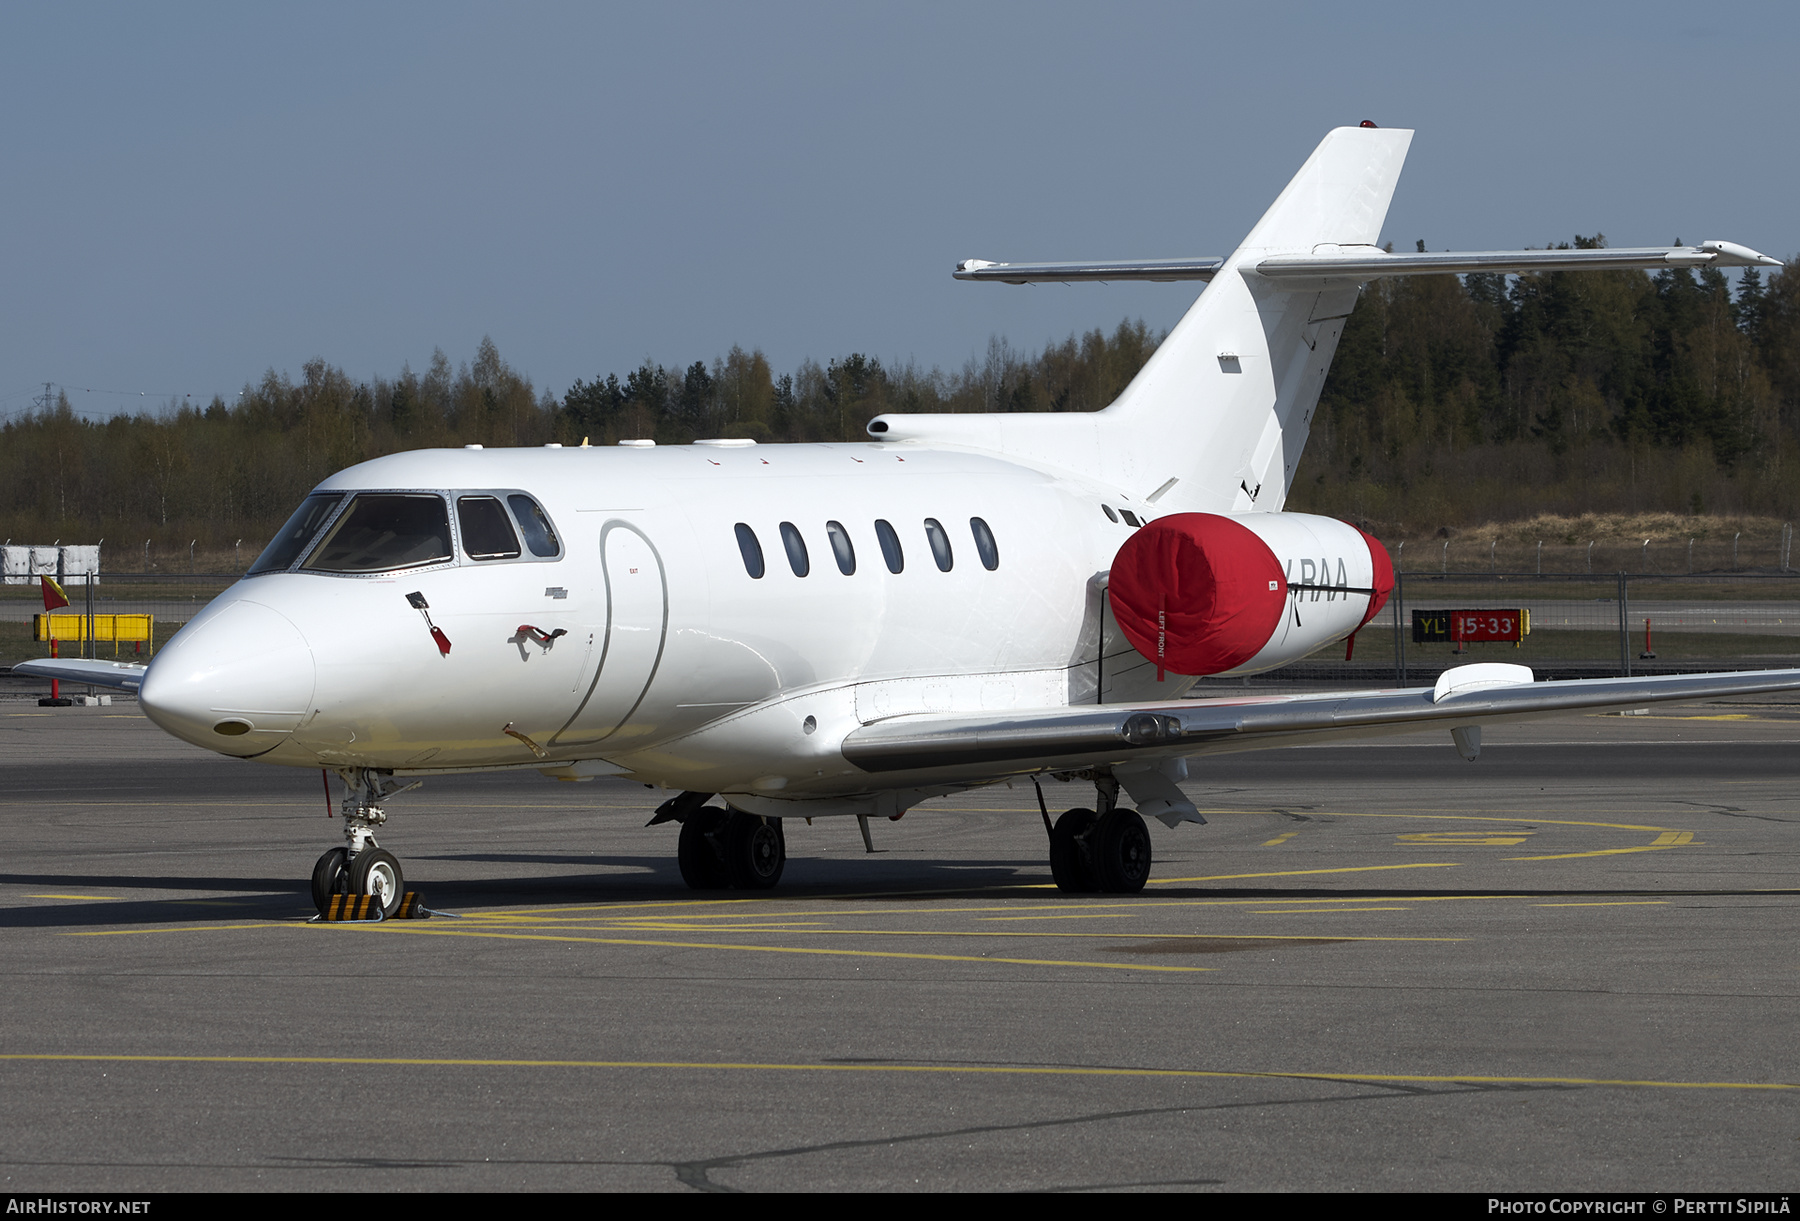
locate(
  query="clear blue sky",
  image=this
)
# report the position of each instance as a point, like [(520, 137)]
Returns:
[(197, 193)]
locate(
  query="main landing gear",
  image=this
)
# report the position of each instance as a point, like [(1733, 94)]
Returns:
[(1107, 851), (722, 849), (362, 867)]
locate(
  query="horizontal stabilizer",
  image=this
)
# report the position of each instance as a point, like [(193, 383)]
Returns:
[(1161, 270), (122, 676), (1332, 266)]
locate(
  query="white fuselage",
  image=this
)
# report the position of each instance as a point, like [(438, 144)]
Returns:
[(674, 665)]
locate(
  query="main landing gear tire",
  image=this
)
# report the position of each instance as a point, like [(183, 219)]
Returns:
[(755, 851), (331, 876), (1091, 853), (698, 853), (726, 848), (1122, 852), (1069, 863), (377, 872)]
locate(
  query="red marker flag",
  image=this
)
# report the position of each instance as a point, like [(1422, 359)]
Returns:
[(54, 596)]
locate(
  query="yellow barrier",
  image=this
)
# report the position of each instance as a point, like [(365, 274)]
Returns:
[(115, 627)]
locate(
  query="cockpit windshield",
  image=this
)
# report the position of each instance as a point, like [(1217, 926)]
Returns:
[(301, 529), (381, 531)]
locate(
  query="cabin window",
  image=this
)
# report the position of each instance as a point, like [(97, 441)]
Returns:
[(751, 551), (890, 546), (841, 547), (487, 532), (382, 531), (301, 529), (540, 535), (940, 544), (796, 549), (1110, 515), (1130, 518), (985, 545)]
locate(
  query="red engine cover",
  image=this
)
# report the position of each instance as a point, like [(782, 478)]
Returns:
[(1383, 578), (1216, 588)]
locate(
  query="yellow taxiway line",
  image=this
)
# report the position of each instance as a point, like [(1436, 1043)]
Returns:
[(1668, 839), (821, 951), (1294, 873)]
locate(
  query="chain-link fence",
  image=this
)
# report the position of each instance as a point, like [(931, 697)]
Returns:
[(169, 600), (1711, 552), (1566, 625)]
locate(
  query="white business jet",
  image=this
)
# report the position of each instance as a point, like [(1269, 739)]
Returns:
[(850, 629)]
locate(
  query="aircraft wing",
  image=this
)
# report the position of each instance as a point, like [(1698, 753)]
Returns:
[(1071, 738), (123, 676)]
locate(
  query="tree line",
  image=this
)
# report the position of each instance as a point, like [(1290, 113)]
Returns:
[(1493, 398), (1451, 401), (234, 470)]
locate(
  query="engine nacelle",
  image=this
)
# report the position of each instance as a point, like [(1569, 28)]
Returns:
[(1206, 594)]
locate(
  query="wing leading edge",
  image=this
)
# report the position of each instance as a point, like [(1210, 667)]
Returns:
[(120, 675), (1071, 738)]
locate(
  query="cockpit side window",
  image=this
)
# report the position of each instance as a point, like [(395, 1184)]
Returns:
[(487, 532), (301, 529), (540, 535), (382, 531)]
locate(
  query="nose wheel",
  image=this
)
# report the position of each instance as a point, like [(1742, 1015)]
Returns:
[(373, 871), (331, 876)]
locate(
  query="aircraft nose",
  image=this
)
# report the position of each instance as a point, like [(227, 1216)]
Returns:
[(237, 680)]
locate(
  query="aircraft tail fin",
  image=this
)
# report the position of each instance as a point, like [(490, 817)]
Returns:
[(1225, 404), (1339, 197), (1216, 419)]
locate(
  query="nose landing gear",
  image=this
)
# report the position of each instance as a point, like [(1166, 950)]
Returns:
[(362, 867)]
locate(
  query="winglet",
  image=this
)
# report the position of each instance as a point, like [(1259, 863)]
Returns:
[(1735, 255)]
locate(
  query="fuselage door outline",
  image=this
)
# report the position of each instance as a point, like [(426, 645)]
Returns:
[(613, 630)]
